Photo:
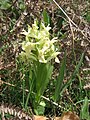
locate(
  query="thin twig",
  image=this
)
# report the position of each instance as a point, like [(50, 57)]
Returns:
[(73, 38)]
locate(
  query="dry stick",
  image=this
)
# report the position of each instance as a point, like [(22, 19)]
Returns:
[(45, 98), (3, 82), (73, 39), (72, 33), (71, 20)]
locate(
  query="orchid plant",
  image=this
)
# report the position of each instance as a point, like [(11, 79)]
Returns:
[(38, 50)]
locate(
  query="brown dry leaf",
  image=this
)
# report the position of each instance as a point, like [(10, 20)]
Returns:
[(66, 116), (69, 116), (57, 118), (40, 117)]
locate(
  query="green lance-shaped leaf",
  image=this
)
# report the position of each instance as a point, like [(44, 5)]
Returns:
[(60, 79), (46, 18), (73, 75), (84, 114), (44, 72)]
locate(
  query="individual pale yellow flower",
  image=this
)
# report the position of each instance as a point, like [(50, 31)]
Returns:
[(41, 57)]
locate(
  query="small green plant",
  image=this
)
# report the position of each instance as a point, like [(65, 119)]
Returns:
[(84, 114), (5, 4), (87, 16)]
